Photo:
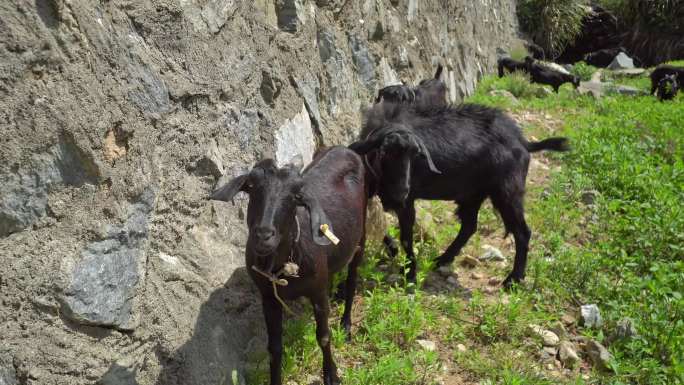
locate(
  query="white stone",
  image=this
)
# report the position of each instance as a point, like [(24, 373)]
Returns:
[(295, 137), (591, 316), (548, 337), (430, 346)]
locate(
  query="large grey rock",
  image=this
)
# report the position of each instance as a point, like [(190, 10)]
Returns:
[(621, 62), (591, 316), (593, 88), (148, 90), (599, 355), (491, 253), (568, 354), (295, 137), (211, 16), (104, 282), (624, 330), (412, 10), (630, 72), (211, 162), (504, 94), (548, 337), (291, 14), (389, 76), (309, 88), (363, 61), (7, 375), (25, 189), (118, 375), (270, 86), (627, 90), (326, 44)]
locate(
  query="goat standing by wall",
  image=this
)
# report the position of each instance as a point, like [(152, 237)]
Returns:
[(284, 216)]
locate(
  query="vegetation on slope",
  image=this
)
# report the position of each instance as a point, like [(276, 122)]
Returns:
[(624, 252)]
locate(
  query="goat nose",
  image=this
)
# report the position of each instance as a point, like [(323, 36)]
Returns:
[(265, 233)]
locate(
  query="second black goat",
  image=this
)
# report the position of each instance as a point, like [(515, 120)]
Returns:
[(465, 154)]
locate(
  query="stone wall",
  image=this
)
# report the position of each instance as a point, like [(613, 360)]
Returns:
[(118, 117)]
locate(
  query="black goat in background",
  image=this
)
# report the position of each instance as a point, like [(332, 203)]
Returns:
[(466, 154), (663, 70), (429, 92), (544, 75), (284, 215), (511, 65), (668, 87)]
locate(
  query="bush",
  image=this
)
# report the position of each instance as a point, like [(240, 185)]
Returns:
[(553, 24), (583, 71), (656, 15), (518, 83)]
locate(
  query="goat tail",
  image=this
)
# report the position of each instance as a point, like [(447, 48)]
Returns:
[(551, 144)]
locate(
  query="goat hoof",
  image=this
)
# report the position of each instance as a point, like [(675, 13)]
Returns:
[(331, 379), (443, 260), (511, 281), (347, 331)]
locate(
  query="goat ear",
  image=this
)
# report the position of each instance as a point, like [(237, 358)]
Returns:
[(317, 217), (227, 192), (362, 147)]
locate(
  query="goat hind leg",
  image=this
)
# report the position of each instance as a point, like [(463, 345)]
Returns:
[(513, 215)]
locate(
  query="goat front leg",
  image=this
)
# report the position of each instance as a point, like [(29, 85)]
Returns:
[(321, 309), (407, 217), (350, 287), (273, 314), (467, 213)]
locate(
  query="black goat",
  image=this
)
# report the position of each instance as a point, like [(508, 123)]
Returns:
[(544, 75), (511, 65), (284, 216), (534, 49), (661, 71), (429, 92), (603, 57), (398, 93), (667, 87), (466, 153)]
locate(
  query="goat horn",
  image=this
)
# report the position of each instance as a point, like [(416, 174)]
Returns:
[(428, 158)]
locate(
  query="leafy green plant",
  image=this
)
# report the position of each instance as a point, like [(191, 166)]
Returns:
[(583, 70), (553, 24)]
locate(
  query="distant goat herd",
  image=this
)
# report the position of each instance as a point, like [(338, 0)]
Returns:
[(666, 80), (307, 223)]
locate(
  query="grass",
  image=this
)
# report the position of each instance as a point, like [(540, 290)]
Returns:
[(625, 253)]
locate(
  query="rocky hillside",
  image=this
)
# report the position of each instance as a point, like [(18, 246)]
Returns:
[(118, 117)]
